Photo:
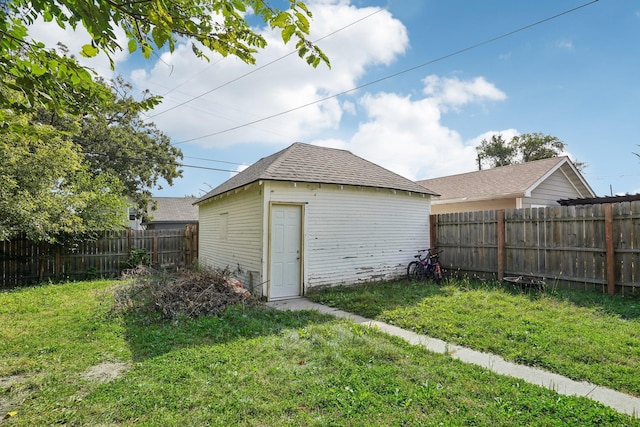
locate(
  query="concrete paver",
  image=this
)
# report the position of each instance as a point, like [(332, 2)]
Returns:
[(619, 401)]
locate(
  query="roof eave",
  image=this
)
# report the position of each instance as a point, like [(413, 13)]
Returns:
[(424, 190), (477, 198)]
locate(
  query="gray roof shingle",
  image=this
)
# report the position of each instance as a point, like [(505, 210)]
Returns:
[(501, 181), (174, 209), (310, 163)]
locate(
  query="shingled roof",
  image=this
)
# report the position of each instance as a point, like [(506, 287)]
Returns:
[(310, 163), (507, 181), (174, 209)]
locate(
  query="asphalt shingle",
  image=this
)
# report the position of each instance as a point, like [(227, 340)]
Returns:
[(309, 163), (505, 180), (174, 209)]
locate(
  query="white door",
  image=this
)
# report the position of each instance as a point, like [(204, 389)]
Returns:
[(285, 253)]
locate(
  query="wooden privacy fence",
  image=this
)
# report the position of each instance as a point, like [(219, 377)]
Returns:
[(582, 247), (23, 261)]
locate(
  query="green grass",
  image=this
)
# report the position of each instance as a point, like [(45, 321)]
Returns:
[(248, 367), (582, 335)]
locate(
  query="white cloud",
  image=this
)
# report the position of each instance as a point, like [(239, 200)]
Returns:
[(507, 135), (287, 85), (51, 34), (408, 137), (402, 133), (564, 44), (453, 92)]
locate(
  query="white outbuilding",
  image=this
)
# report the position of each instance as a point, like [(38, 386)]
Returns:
[(310, 216)]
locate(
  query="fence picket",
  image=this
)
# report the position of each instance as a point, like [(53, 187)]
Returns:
[(23, 262), (564, 244)]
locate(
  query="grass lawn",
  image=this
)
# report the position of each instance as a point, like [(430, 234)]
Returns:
[(248, 367), (581, 335)]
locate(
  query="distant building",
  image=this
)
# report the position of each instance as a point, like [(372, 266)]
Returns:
[(524, 185), (170, 213)]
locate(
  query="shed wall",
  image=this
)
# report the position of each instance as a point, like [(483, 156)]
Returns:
[(353, 234), (231, 232)]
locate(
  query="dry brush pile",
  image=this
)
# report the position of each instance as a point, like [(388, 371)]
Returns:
[(183, 294)]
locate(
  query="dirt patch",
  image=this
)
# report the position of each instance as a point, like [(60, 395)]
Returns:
[(11, 394), (105, 371)]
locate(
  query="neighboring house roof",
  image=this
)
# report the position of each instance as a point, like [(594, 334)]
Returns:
[(516, 180), (310, 163), (174, 209)]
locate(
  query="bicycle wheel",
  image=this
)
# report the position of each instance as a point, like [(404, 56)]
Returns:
[(437, 273), (413, 270)]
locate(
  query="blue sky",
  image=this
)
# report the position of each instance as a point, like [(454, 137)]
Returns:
[(576, 77)]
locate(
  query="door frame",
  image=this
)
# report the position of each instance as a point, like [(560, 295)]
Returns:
[(301, 206)]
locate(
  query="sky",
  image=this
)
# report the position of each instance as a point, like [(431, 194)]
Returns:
[(414, 86)]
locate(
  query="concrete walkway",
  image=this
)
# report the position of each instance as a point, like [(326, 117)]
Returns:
[(619, 401)]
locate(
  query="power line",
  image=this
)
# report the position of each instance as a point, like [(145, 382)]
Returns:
[(172, 163), (213, 160), (407, 70), (259, 68)]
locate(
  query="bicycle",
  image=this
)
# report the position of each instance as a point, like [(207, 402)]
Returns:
[(426, 267)]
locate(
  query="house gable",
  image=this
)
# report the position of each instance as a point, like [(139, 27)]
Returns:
[(537, 183), (555, 187), (171, 212)]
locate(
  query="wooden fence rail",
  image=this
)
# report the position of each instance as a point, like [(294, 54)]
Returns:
[(23, 261), (585, 247)]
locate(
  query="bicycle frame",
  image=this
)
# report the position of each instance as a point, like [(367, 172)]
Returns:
[(425, 267)]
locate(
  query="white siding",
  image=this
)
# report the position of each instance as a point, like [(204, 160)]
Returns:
[(231, 232), (554, 188), (356, 234)]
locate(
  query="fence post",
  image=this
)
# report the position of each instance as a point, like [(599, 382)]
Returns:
[(433, 230), (195, 242), (189, 232), (610, 258), (129, 241), (154, 255), (500, 242), (56, 263)]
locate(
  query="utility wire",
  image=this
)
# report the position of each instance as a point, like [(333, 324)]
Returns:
[(259, 68), (172, 163), (407, 70), (213, 160)]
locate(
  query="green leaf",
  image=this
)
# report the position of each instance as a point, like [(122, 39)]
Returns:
[(281, 20), (239, 6), (37, 70), (302, 23), (89, 51), (287, 32), (159, 36), (146, 49), (133, 45)]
